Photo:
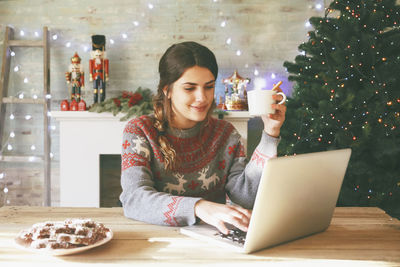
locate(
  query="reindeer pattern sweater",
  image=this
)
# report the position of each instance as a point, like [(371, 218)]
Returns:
[(213, 164)]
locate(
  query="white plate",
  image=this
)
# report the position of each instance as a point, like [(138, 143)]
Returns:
[(61, 252)]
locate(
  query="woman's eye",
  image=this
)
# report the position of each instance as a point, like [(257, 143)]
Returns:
[(189, 88), (209, 87)]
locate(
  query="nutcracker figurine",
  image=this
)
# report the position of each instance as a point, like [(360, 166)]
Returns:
[(76, 77), (98, 67)]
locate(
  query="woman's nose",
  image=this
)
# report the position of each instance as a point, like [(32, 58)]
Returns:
[(200, 95)]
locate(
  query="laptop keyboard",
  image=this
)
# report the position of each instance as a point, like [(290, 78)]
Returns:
[(235, 235)]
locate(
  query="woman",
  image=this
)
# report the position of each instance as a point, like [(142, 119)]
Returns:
[(179, 164)]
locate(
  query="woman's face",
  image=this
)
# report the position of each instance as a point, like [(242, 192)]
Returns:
[(191, 97)]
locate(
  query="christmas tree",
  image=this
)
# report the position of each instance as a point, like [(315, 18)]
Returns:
[(346, 93)]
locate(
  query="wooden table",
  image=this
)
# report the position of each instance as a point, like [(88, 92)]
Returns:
[(356, 237)]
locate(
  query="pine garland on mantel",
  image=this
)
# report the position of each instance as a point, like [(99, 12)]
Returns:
[(133, 104)]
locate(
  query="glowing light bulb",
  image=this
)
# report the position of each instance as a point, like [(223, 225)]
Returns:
[(150, 5), (2, 175), (12, 116), (51, 155), (21, 96), (33, 147), (48, 96), (12, 134), (12, 53), (124, 35), (35, 96), (21, 32), (273, 76), (136, 23), (26, 80), (55, 37), (5, 190), (28, 117), (36, 34), (16, 68), (318, 6), (238, 52), (9, 147), (307, 24), (223, 24), (228, 41), (111, 41), (256, 72), (68, 44)]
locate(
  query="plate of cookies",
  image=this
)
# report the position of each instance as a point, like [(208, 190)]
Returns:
[(66, 237)]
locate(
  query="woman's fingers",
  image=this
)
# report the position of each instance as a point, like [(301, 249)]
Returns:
[(278, 98), (237, 218), (279, 107), (218, 214), (280, 111), (222, 227)]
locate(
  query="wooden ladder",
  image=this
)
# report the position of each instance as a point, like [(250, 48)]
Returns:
[(9, 43)]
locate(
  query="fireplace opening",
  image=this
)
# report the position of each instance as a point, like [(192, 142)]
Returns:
[(110, 180)]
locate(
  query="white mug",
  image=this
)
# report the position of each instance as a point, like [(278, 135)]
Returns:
[(260, 101)]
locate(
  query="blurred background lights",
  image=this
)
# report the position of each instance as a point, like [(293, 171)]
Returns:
[(259, 83)]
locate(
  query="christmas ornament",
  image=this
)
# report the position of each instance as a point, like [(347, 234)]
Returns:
[(76, 77), (74, 105), (235, 92), (98, 67), (82, 105), (64, 105)]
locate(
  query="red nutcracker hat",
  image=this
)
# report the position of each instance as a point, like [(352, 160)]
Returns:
[(76, 58)]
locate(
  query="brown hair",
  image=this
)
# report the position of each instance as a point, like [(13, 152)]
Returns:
[(175, 61)]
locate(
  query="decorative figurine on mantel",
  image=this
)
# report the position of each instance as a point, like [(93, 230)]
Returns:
[(235, 92), (76, 77), (98, 67)]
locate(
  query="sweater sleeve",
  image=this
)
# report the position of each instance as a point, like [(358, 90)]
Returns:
[(244, 177), (140, 200)]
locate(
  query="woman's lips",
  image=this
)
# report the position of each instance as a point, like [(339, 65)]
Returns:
[(199, 108)]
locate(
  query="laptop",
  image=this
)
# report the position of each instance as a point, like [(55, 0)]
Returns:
[(296, 197)]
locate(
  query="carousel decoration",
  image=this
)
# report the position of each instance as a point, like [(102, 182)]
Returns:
[(235, 93), (98, 67)]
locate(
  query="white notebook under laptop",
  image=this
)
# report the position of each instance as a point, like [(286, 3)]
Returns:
[(296, 198)]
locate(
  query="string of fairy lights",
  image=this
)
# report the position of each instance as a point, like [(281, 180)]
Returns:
[(58, 40)]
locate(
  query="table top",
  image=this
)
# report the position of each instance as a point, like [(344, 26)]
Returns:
[(356, 237)]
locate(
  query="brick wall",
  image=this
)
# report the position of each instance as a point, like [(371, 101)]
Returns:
[(266, 32)]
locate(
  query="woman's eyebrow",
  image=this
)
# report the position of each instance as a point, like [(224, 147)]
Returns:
[(212, 81), (190, 83)]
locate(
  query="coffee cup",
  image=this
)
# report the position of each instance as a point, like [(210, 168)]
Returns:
[(260, 101)]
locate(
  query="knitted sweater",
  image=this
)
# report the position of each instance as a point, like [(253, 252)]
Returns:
[(213, 164)]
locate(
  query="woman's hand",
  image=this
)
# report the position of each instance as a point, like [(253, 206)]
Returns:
[(218, 214), (273, 122)]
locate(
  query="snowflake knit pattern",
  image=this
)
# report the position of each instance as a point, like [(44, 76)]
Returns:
[(212, 164)]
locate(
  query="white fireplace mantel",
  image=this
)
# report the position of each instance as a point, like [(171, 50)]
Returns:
[(84, 136)]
